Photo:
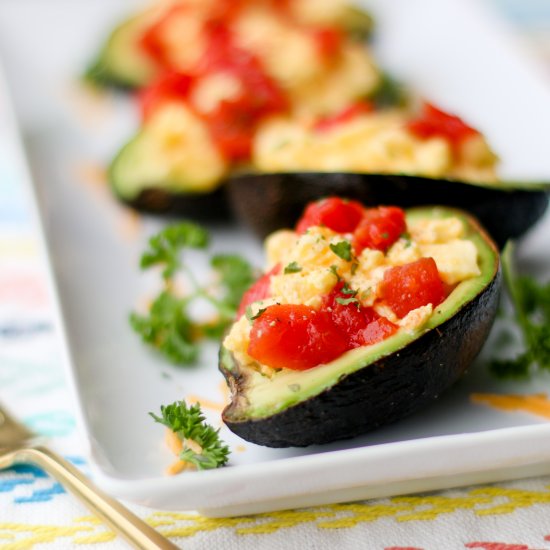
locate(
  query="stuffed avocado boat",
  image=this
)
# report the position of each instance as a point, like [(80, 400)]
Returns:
[(169, 35), (209, 73), (401, 156), (364, 316), (186, 162)]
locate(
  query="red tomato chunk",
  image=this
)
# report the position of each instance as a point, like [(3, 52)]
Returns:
[(171, 86), (411, 286), (362, 326), (299, 337), (337, 214), (232, 122), (296, 337), (260, 290), (379, 228), (346, 115), (328, 41), (434, 122)]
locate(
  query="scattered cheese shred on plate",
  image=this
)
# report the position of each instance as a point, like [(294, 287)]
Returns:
[(537, 403)]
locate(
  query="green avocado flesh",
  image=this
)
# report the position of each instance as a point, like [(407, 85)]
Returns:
[(144, 164), (121, 61), (260, 403)]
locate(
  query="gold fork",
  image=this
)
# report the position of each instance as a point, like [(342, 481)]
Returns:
[(18, 445)]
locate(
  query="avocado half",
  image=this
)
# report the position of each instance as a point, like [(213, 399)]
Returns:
[(141, 180), (121, 62), (267, 202), (374, 385)]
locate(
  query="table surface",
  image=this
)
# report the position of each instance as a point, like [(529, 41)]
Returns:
[(36, 512)]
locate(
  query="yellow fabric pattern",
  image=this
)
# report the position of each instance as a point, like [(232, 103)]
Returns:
[(481, 501)]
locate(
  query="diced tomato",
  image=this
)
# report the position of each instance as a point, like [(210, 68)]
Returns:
[(348, 317), (328, 41), (230, 125), (258, 291), (433, 122), (152, 40), (345, 115), (379, 228), (233, 121), (362, 326), (377, 330), (168, 87), (337, 214), (411, 286), (223, 11), (263, 94), (295, 337)]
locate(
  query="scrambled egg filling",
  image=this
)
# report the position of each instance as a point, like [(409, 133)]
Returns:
[(315, 85), (372, 142), (321, 268), (176, 136)]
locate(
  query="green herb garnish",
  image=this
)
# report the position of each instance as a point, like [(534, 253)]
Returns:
[(250, 315), (346, 289), (342, 250), (347, 301), (390, 93), (407, 238), (351, 296), (292, 267), (169, 325), (531, 302), (188, 424), (165, 246)]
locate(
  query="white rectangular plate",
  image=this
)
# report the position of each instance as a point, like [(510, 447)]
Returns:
[(456, 54)]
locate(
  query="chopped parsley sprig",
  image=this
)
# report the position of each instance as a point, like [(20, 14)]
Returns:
[(169, 325), (189, 425), (531, 301), (343, 250)]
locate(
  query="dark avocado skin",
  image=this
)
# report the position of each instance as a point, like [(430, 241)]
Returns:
[(198, 206), (267, 202), (382, 392)]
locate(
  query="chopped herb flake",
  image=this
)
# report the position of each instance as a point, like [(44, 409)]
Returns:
[(334, 271), (347, 301), (292, 267), (250, 315), (347, 290), (342, 250)]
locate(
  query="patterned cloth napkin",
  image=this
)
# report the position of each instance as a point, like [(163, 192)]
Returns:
[(36, 512)]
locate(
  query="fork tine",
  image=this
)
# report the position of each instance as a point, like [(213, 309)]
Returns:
[(11, 431)]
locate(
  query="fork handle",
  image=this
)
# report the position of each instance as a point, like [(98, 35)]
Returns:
[(120, 519)]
